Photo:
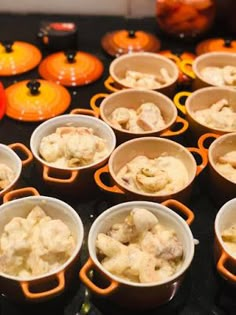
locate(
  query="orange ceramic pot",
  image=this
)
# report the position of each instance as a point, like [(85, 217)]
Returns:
[(10, 158), (211, 59), (225, 261), (203, 99), (222, 188), (76, 180), (49, 285), (133, 99), (143, 62), (150, 147), (139, 296)]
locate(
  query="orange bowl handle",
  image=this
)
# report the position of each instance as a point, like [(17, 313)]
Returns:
[(223, 270), (22, 148), (99, 182), (183, 126), (109, 84), (93, 101), (177, 101), (20, 193), (203, 156), (185, 66), (25, 286), (180, 207), (203, 138), (84, 111), (93, 287), (49, 178), (3, 101)]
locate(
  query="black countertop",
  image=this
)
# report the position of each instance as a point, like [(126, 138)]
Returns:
[(203, 291)]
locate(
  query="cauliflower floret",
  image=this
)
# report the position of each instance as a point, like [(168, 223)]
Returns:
[(121, 115), (6, 176), (34, 245), (142, 219), (56, 237), (51, 147)]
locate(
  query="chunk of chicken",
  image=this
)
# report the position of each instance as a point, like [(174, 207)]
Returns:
[(120, 115), (219, 115), (229, 157), (162, 245), (229, 75), (149, 117), (142, 80), (213, 75), (122, 232), (116, 259)]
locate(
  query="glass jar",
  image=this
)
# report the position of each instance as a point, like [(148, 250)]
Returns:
[(185, 18)]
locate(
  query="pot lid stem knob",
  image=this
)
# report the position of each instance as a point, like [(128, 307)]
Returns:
[(70, 55), (228, 42), (33, 86), (131, 34), (7, 45)]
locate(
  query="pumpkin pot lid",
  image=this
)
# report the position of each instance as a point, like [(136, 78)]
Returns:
[(120, 42), (18, 57), (36, 100), (216, 44), (71, 68)]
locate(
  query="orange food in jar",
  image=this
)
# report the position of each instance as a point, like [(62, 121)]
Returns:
[(185, 18)]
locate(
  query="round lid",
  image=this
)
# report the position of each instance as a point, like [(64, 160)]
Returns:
[(36, 100), (71, 68), (18, 57), (216, 44), (123, 41)]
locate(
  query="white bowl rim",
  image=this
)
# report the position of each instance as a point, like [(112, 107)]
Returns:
[(187, 261)]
